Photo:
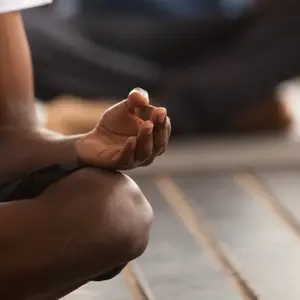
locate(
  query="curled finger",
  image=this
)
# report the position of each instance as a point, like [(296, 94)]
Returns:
[(124, 159), (144, 147)]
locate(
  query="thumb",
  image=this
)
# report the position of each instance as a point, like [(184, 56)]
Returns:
[(137, 98)]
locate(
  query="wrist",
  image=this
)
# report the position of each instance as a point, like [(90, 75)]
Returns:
[(62, 147), (25, 151)]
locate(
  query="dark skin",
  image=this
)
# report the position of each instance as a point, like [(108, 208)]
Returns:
[(82, 226), (93, 220)]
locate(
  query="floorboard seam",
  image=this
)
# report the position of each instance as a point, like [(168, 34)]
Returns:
[(175, 197), (255, 186), (137, 283)]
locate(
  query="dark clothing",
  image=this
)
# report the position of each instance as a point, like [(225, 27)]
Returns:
[(34, 184), (205, 72)]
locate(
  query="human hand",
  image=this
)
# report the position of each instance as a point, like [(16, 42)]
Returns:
[(130, 134)]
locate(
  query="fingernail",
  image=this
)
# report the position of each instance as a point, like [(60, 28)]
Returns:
[(140, 91)]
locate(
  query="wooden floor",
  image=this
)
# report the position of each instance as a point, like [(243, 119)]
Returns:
[(217, 236)]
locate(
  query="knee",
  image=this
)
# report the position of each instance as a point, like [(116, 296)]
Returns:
[(119, 217), (128, 218)]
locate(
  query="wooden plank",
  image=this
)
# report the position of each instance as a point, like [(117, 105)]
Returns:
[(199, 229), (137, 283), (175, 267), (260, 190), (267, 251), (114, 289), (285, 185)]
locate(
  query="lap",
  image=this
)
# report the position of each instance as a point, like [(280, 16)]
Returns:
[(67, 178)]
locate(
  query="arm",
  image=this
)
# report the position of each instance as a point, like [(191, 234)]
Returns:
[(18, 124), (16, 80)]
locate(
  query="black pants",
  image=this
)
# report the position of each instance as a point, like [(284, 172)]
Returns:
[(34, 184)]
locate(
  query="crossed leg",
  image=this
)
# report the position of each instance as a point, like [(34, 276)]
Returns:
[(83, 226)]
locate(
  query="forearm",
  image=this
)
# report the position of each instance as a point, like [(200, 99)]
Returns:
[(23, 147), (16, 79)]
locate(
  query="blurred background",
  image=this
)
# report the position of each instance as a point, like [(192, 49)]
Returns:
[(227, 71), (215, 64)]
